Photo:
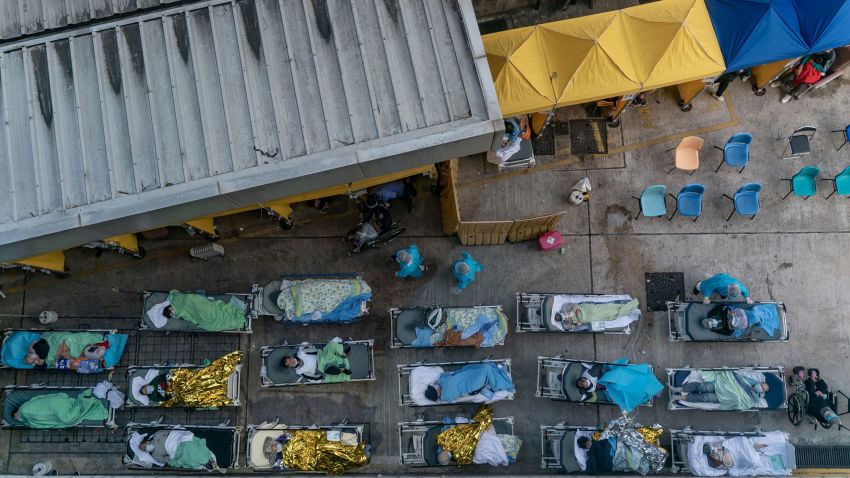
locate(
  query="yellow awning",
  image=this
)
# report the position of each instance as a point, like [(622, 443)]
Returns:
[(54, 261), (611, 54)]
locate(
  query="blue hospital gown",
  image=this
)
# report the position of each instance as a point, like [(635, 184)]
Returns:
[(719, 284), (464, 280), (412, 269)]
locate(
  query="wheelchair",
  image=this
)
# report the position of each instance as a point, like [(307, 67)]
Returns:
[(798, 404)]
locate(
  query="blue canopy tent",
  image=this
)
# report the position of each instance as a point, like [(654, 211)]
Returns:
[(824, 24), (755, 32)]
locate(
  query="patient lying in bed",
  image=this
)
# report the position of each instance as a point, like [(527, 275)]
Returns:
[(480, 382), (328, 364), (80, 351), (175, 448), (59, 410), (740, 455), (206, 313), (571, 316)]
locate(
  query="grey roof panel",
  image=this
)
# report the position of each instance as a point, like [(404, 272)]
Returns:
[(165, 116)]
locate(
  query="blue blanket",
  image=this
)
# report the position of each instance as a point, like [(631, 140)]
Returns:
[(347, 311), (631, 385), (486, 377), (764, 316)]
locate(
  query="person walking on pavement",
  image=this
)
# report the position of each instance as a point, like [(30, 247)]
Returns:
[(724, 285), (410, 262), (464, 271)]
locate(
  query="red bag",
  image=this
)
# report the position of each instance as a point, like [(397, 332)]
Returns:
[(550, 240), (810, 75)]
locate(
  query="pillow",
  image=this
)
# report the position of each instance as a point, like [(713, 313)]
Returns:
[(15, 349), (420, 378)]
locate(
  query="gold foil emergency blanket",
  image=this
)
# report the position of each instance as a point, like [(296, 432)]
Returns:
[(461, 440), (203, 387), (310, 450)]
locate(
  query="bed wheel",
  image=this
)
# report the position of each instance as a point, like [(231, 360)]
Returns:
[(140, 253), (285, 223), (759, 91), (686, 107)]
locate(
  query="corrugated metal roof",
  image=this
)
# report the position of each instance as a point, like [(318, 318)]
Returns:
[(30, 17), (167, 116)]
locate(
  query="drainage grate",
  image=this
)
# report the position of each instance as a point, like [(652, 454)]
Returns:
[(823, 456), (588, 136), (179, 348), (493, 26), (544, 145), (80, 435), (662, 287)]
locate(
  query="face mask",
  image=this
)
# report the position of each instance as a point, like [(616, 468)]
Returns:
[(148, 390), (149, 448), (757, 388)]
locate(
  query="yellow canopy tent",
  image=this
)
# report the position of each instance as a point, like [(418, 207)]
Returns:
[(52, 261), (607, 55)]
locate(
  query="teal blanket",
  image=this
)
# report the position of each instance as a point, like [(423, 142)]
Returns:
[(58, 410), (733, 390), (192, 454), (212, 315), (332, 354)]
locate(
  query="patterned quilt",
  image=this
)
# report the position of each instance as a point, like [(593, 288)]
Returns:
[(307, 296), (464, 317)]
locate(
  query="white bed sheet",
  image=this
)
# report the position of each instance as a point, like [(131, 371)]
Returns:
[(423, 376), (696, 376), (747, 461), (618, 323)]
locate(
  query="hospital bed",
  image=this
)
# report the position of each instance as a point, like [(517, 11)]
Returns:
[(775, 397), (13, 360), (681, 439), (534, 312), (151, 298), (557, 445), (405, 320), (257, 435), (404, 370), (554, 388), (264, 302), (15, 396), (233, 383), (223, 441), (361, 359), (417, 441), (685, 317)]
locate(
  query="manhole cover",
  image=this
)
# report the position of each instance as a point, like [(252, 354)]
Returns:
[(562, 128), (662, 287), (544, 145), (588, 136)]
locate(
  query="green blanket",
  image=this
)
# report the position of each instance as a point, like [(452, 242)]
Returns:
[(192, 454), (332, 354), (76, 341), (212, 315), (58, 410), (730, 393), (605, 312)]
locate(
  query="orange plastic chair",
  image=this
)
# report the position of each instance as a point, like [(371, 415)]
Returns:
[(687, 154)]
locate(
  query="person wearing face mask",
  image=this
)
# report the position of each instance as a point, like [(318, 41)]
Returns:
[(725, 286), (705, 392), (157, 389), (819, 404), (37, 354)]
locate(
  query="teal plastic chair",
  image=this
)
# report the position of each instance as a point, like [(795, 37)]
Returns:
[(652, 201), (804, 183), (841, 183)]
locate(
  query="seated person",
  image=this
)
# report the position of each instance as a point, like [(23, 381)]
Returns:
[(600, 455), (330, 364), (819, 405), (705, 392), (472, 379), (175, 448), (588, 383), (59, 410)]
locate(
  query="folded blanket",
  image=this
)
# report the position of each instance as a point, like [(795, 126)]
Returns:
[(211, 315), (58, 410)]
